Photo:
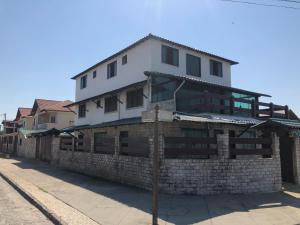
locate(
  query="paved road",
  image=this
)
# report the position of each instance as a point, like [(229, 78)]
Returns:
[(15, 210), (113, 204)]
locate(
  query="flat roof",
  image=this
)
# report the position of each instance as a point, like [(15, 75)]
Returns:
[(151, 36)]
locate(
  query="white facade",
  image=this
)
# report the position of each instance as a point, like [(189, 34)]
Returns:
[(146, 56)]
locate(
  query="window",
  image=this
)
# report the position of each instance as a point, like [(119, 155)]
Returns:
[(124, 60), (94, 74), (123, 139), (170, 55), (20, 141), (216, 68), (52, 119), (135, 98), (110, 104), (83, 82), (193, 65), (112, 69), (82, 111), (98, 103), (163, 88)]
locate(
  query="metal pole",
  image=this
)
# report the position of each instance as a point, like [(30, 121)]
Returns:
[(155, 171)]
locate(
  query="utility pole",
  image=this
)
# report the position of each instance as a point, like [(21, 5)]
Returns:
[(155, 171)]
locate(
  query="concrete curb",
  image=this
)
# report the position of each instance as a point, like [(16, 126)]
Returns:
[(55, 210), (32, 200)]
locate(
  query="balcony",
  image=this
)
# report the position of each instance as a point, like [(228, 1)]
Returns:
[(224, 104), (46, 126)]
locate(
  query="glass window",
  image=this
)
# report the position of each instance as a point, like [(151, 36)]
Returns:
[(193, 65), (111, 104), (124, 60), (112, 69), (83, 82), (52, 119), (163, 88), (94, 74), (135, 98), (216, 68), (82, 111), (170, 55), (98, 103), (123, 138)]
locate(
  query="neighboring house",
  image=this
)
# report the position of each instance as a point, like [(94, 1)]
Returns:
[(49, 114), (23, 118), (9, 126), (36, 126)]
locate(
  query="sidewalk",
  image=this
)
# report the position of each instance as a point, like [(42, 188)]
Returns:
[(109, 203)]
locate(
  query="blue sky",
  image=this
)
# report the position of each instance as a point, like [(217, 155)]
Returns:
[(44, 43)]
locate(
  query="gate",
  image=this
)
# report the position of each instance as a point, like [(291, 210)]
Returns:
[(46, 148), (286, 156)]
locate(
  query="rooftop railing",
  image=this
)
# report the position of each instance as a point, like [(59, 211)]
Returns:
[(230, 106)]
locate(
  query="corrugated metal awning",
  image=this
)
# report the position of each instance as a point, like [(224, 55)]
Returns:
[(216, 118)]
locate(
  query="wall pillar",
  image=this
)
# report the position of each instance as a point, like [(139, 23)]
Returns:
[(296, 159), (223, 146)]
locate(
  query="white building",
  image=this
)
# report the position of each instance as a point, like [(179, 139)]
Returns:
[(117, 87)]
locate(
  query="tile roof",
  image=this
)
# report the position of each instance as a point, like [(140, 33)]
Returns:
[(24, 111), (51, 105), (151, 36)]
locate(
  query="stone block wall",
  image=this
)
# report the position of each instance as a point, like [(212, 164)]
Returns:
[(27, 148), (218, 174)]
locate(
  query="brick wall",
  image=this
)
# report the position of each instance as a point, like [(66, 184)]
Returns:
[(219, 174)]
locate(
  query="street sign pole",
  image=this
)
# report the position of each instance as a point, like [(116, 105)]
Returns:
[(155, 171)]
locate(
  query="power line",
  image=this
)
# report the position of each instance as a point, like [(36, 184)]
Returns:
[(289, 1), (261, 4)]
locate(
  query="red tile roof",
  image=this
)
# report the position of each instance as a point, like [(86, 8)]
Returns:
[(22, 112), (51, 105)]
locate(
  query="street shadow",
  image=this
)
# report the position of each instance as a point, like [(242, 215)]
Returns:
[(174, 209)]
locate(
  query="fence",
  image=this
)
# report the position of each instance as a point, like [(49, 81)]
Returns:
[(135, 146), (254, 108), (249, 146), (66, 143), (185, 147), (188, 146)]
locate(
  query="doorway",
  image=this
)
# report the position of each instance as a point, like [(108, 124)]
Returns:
[(286, 158)]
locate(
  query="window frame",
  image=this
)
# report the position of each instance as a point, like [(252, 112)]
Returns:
[(165, 59), (80, 111), (115, 64), (199, 60), (124, 60), (51, 117), (136, 100), (211, 68), (105, 104), (94, 74), (83, 82)]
